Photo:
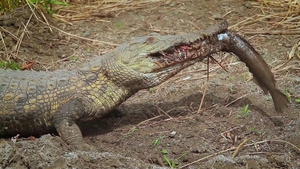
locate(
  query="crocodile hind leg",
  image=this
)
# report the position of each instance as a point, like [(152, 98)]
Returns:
[(64, 122)]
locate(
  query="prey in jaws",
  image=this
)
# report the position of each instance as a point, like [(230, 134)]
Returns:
[(197, 46), (37, 102)]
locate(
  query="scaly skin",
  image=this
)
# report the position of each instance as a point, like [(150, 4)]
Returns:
[(36, 102)]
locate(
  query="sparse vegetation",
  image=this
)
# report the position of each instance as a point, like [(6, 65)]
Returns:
[(9, 5), (244, 77), (74, 58), (256, 131), (131, 131), (121, 25), (288, 94), (10, 65), (156, 142), (243, 113), (172, 163)]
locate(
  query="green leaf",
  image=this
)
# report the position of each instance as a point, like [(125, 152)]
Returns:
[(8, 65), (74, 58), (297, 100), (246, 108), (121, 25), (60, 3), (168, 161), (156, 142), (164, 151), (181, 156), (238, 116), (251, 129)]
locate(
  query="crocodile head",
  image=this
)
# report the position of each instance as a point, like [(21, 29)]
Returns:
[(149, 61)]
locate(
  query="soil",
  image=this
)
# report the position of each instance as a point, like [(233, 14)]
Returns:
[(161, 124)]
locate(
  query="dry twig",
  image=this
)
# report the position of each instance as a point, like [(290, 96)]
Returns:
[(280, 16)]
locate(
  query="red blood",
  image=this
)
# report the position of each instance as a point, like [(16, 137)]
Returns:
[(184, 47)]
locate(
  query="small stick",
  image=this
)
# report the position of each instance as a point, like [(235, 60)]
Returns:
[(22, 35), (206, 85), (294, 49), (6, 53), (164, 112), (241, 145), (145, 122), (218, 63), (236, 100)]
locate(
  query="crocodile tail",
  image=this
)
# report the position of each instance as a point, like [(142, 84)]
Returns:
[(280, 100)]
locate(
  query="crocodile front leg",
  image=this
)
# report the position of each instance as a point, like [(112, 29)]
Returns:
[(65, 123)]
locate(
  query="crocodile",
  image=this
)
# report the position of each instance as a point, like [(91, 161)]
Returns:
[(38, 102)]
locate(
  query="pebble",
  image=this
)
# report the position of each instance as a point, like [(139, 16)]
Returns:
[(248, 5), (173, 133)]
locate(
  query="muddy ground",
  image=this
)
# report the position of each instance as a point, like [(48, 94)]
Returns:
[(162, 123)]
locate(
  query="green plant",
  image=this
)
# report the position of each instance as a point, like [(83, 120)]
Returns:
[(74, 58), (131, 131), (256, 131), (244, 113), (156, 142), (121, 24), (10, 65), (164, 151), (48, 4), (288, 94), (244, 77), (172, 163), (8, 5)]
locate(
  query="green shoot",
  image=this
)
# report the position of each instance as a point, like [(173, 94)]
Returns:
[(244, 113), (288, 94), (244, 77), (74, 58), (88, 49), (174, 163), (171, 164), (48, 4), (131, 131), (121, 25), (164, 151), (256, 131), (156, 142)]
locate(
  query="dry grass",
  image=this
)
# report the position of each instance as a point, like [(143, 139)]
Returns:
[(280, 17), (106, 8)]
